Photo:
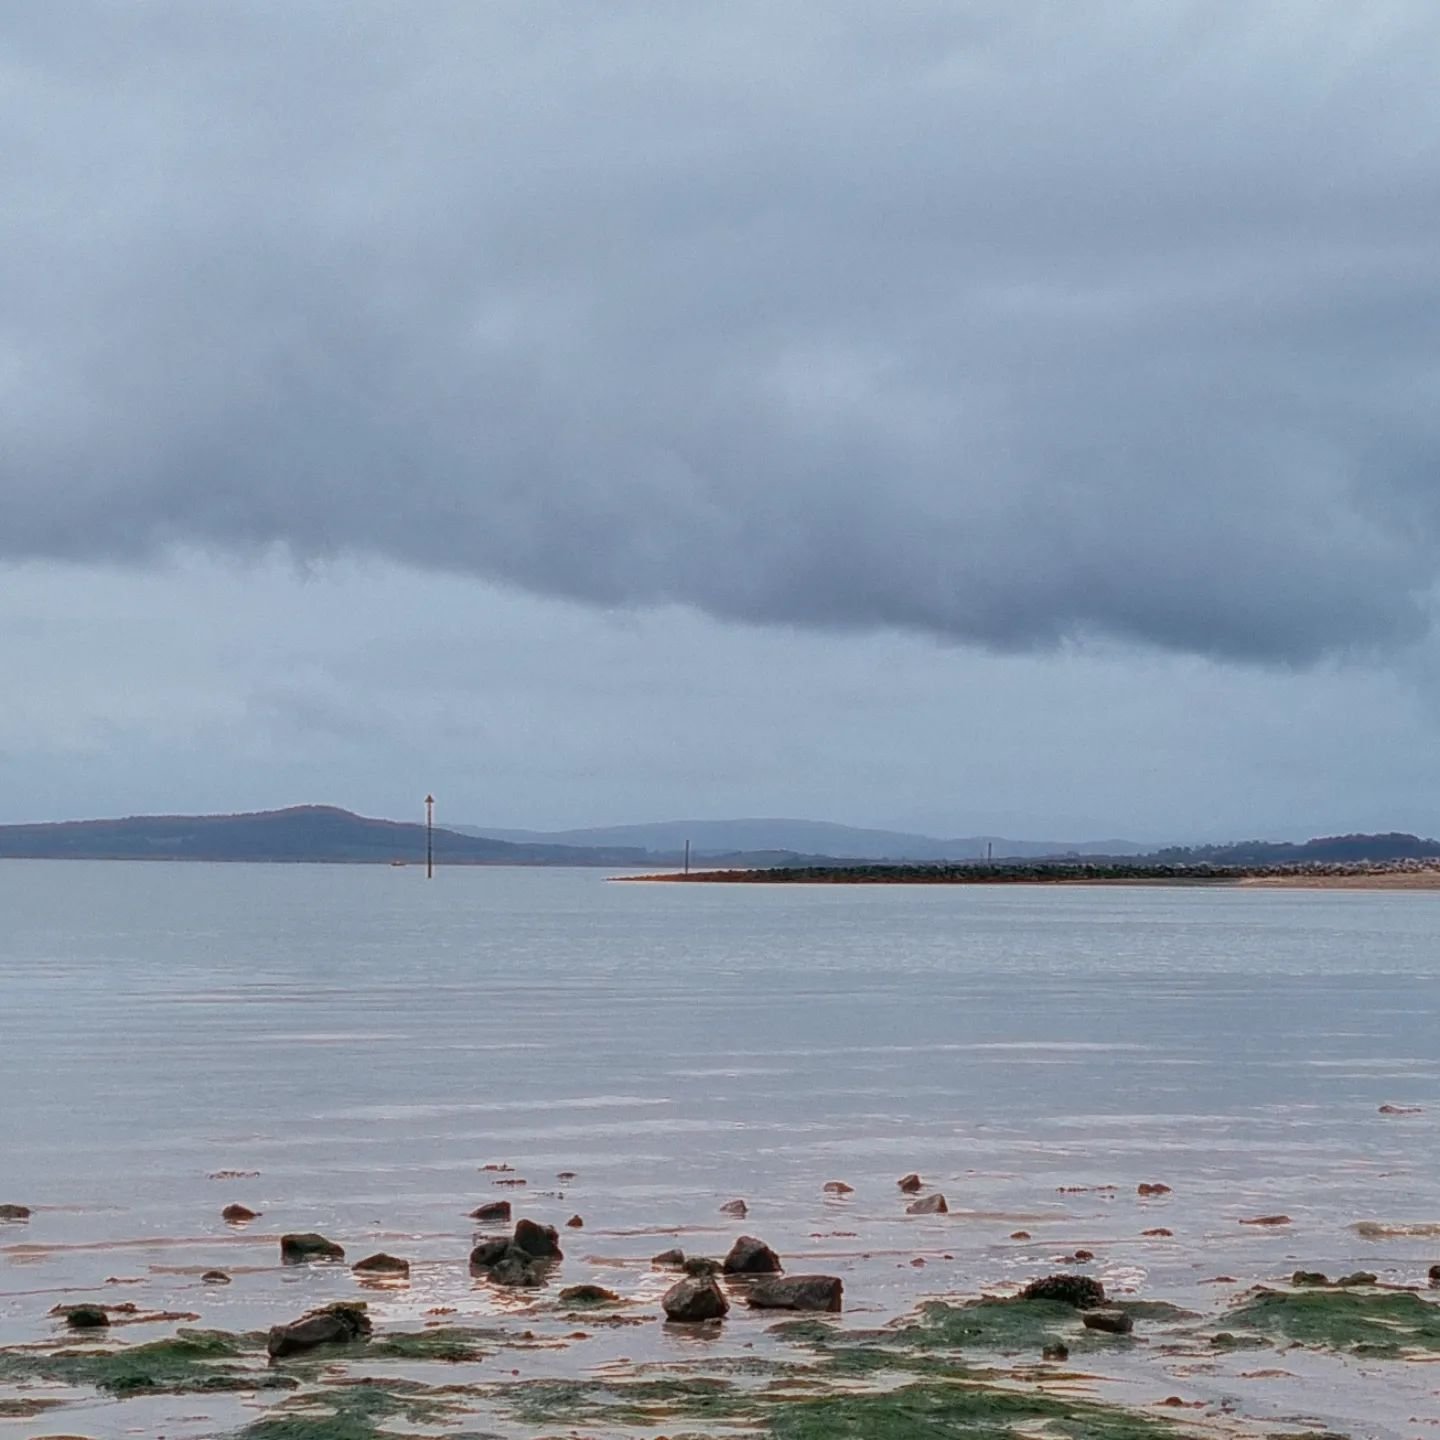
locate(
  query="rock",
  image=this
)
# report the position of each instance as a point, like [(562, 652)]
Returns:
[(690, 1301), (1401, 1110), (796, 1292), (488, 1253), (838, 1187), (738, 1208), (669, 1257), (930, 1205), (1019, 1234), (1434, 1275), (516, 1269), (214, 1277), (1081, 1291), (749, 1256), (588, 1295), (1057, 1351), (541, 1241), (495, 1210), (1360, 1277), (1084, 1257), (85, 1317), (1155, 1189), (298, 1249), (1112, 1322), (338, 1324), (1268, 1220), (1309, 1277), (382, 1264), (1159, 1233), (575, 1223), (909, 1183), (565, 1175), (700, 1265), (14, 1212), (238, 1214)]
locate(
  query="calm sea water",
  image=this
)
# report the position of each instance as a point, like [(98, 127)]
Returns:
[(367, 1042)]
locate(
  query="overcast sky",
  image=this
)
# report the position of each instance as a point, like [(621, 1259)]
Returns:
[(993, 416)]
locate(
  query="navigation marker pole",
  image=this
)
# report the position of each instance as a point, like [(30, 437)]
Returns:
[(429, 837), (687, 857)]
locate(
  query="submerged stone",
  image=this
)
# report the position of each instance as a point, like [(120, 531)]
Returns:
[(749, 1256), (382, 1264), (588, 1295), (85, 1317), (491, 1212), (796, 1292), (693, 1300), (14, 1212), (930, 1205), (1112, 1322), (214, 1277), (1082, 1291), (300, 1248), (541, 1241), (338, 1324), (238, 1214)]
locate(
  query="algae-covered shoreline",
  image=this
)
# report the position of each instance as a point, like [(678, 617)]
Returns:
[(537, 1358)]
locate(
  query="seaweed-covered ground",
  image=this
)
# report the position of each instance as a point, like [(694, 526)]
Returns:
[(1304, 1356)]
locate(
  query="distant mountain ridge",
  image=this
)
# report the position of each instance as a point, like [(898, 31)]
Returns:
[(710, 839), (322, 833)]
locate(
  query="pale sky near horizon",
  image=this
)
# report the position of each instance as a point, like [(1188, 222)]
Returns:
[(999, 417)]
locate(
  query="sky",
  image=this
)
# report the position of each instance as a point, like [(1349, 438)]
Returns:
[(991, 417)]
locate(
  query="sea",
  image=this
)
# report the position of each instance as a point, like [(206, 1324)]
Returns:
[(366, 1053)]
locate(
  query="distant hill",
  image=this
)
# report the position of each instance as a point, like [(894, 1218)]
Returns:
[(301, 833), (712, 839), (1326, 849)]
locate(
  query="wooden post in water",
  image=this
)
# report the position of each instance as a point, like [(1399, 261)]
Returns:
[(687, 857), (429, 837)]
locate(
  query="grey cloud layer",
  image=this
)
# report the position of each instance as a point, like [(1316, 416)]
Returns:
[(1005, 324)]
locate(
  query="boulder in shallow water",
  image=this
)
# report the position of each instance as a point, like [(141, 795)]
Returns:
[(909, 1183), (517, 1270), (298, 1249), (700, 1265), (214, 1277), (838, 1187), (693, 1300), (669, 1257), (796, 1292), (736, 1208), (495, 1211), (85, 1317), (338, 1324), (1112, 1322), (1434, 1275), (541, 1241), (14, 1212), (238, 1214), (382, 1264), (749, 1256), (1081, 1291), (929, 1205), (588, 1295), (575, 1222)]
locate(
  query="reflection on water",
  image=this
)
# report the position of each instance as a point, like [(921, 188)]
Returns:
[(368, 1041)]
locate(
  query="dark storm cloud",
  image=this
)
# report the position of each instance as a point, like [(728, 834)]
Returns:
[(1007, 324)]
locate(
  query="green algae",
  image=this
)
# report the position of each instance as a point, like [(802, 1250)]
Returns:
[(452, 1343), (940, 1410), (634, 1402), (191, 1362), (354, 1410), (1386, 1324)]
